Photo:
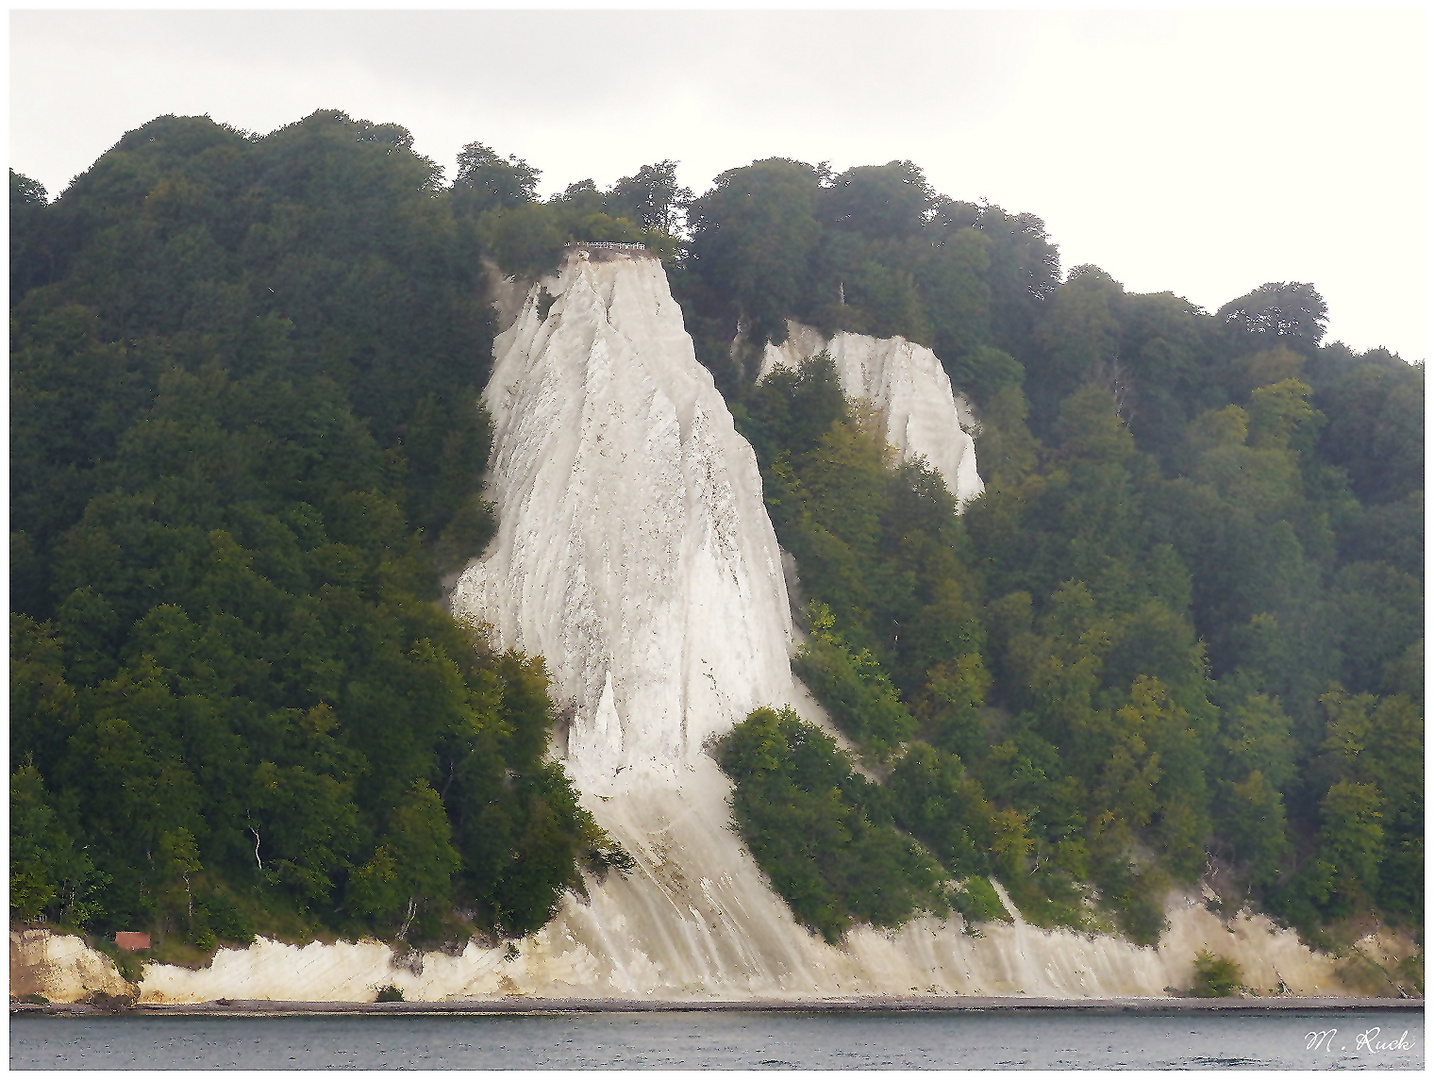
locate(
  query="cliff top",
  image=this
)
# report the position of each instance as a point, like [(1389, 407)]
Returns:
[(602, 250)]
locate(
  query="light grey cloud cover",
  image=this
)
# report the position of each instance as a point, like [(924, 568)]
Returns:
[(1202, 152)]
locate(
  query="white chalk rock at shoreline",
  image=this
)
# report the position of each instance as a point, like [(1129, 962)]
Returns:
[(910, 390)]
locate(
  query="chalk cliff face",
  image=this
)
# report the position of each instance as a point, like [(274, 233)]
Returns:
[(910, 391), (60, 967), (635, 555), (633, 551)]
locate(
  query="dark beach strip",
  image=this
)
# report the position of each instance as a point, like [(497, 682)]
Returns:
[(485, 1006)]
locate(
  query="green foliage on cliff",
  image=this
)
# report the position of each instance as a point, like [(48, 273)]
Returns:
[(1185, 618), (853, 686), (873, 250), (526, 237), (1215, 976), (245, 441), (821, 831)]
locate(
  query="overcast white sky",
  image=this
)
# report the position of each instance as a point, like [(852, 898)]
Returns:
[(1202, 152)]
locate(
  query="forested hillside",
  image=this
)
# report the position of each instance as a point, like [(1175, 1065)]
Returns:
[(1179, 635), (244, 442)]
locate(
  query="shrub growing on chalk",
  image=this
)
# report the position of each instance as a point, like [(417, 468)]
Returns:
[(1215, 976), (820, 831)]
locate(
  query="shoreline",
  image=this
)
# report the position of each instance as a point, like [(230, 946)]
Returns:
[(561, 1006)]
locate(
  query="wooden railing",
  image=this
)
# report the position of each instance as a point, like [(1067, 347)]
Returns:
[(607, 245)]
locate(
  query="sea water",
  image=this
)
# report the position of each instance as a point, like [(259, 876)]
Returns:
[(1048, 1039)]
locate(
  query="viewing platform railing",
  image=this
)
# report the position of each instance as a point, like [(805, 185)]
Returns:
[(607, 245)]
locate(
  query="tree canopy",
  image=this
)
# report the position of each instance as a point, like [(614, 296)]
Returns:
[(246, 439), (1199, 532)]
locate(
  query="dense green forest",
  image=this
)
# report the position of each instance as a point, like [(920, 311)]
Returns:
[(1179, 635), (244, 445)]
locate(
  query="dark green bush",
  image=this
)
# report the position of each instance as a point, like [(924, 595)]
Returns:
[(977, 902), (1215, 976), (853, 688), (819, 830)]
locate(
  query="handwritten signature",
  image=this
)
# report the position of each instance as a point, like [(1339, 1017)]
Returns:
[(1368, 1041)]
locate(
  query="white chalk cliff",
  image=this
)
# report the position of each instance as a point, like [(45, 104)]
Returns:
[(634, 553), (921, 415), (633, 550)]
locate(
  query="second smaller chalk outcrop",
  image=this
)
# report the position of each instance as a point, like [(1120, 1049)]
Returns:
[(908, 387)]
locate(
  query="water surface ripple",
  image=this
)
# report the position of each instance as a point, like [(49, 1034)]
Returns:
[(727, 1040)]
